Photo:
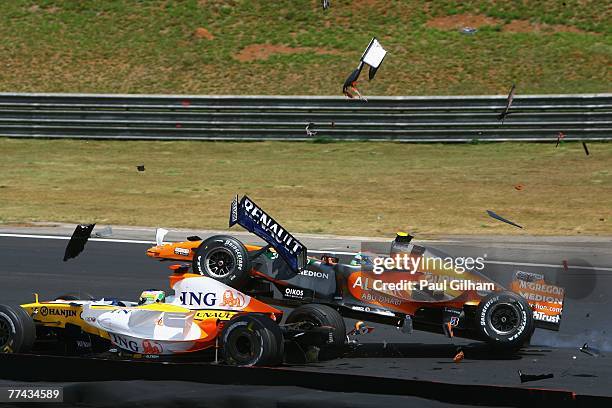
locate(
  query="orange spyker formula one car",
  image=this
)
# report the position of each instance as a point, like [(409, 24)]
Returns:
[(440, 299)]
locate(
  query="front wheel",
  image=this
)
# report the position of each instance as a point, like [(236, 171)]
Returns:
[(75, 296), (505, 319), (252, 340), (17, 330)]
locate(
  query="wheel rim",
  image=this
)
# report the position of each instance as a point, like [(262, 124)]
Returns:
[(5, 332), (504, 318), (219, 263)]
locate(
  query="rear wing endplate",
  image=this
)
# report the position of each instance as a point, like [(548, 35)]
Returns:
[(545, 299), (251, 217)]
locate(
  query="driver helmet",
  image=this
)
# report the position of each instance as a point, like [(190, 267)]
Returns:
[(361, 259), (152, 296)]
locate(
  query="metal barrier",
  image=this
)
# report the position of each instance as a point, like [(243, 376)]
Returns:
[(407, 119)]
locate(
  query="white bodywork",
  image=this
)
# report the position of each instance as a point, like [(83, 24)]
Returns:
[(164, 328)]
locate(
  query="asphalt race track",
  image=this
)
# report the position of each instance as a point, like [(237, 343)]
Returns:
[(121, 269)]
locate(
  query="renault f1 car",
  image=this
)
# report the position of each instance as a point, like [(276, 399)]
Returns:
[(202, 314), (282, 273)]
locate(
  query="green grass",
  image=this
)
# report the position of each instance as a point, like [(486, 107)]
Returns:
[(349, 188), (150, 47)]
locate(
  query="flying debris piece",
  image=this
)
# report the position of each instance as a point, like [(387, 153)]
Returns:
[(468, 30), (560, 137), (360, 329), (78, 240), (105, 232), (586, 149), (519, 187), (309, 132), (590, 351), (325, 4), (160, 233), (506, 112), (565, 265), (350, 84), (497, 217), (533, 377), (459, 357), (373, 56), (140, 167), (448, 330)]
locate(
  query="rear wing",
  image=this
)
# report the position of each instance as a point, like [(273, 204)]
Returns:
[(251, 217)]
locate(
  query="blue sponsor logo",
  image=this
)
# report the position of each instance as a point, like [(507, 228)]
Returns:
[(198, 298)]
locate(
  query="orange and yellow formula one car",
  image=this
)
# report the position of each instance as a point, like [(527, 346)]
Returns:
[(201, 314)]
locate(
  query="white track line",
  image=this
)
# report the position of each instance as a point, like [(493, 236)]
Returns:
[(133, 241)]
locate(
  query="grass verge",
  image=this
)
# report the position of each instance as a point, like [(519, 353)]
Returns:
[(358, 188), (294, 47)]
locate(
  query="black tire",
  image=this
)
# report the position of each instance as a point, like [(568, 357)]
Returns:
[(75, 296), (17, 330), (505, 320), (223, 258), (321, 315), (252, 340)]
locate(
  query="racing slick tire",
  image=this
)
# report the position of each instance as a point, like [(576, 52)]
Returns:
[(252, 340), (505, 319), (223, 258), (17, 330), (321, 315), (75, 296)]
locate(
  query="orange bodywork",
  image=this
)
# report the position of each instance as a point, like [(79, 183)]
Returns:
[(401, 301), (182, 251)]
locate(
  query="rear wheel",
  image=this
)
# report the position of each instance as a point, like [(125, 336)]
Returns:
[(17, 330), (321, 315), (252, 340), (505, 319), (223, 258)]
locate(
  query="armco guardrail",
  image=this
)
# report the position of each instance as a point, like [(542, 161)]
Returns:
[(410, 119)]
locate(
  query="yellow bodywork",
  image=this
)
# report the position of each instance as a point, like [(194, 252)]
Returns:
[(60, 314)]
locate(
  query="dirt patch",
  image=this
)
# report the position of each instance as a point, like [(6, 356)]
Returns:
[(525, 26), (264, 51), (201, 32), (462, 20)]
